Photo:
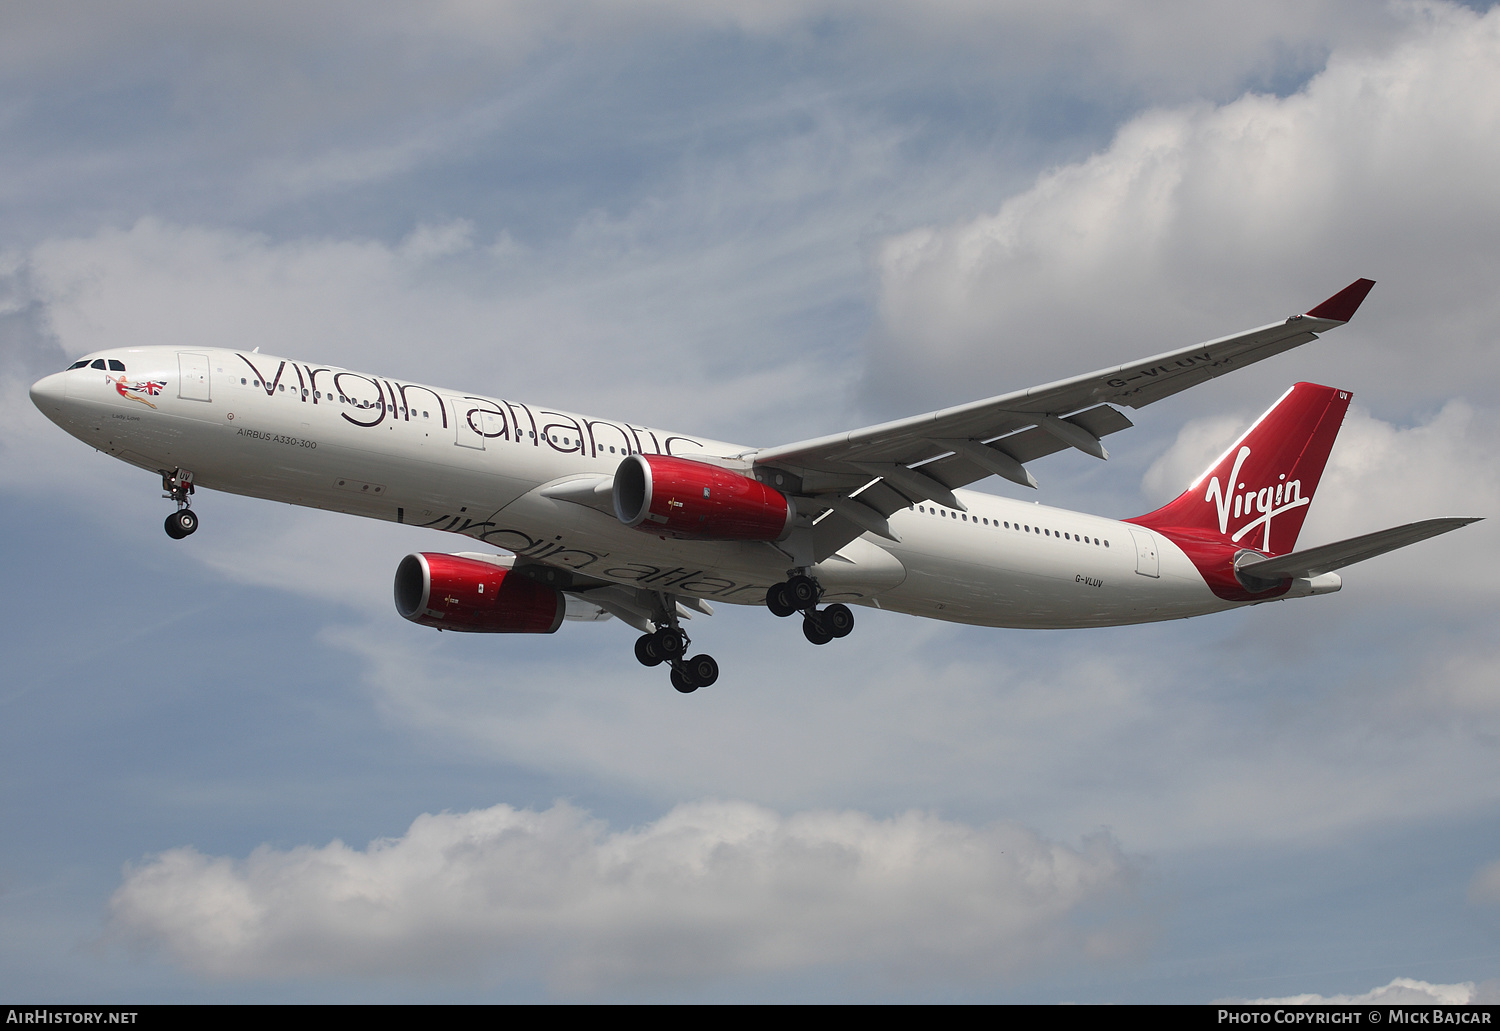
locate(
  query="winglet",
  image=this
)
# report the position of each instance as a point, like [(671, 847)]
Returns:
[(1342, 305)]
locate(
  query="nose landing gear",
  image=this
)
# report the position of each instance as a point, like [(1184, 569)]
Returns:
[(178, 487), (801, 593)]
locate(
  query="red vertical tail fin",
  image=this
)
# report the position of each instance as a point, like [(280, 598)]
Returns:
[(1256, 494)]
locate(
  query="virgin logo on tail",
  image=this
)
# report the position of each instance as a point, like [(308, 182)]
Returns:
[(1271, 471), (1268, 501)]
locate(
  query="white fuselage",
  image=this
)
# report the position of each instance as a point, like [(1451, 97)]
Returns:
[(329, 438)]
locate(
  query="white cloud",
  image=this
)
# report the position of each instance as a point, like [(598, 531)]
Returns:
[(1484, 889), (1205, 219), (427, 242), (1383, 473), (1402, 991), (711, 890), (1198, 443), (249, 110), (1210, 44)]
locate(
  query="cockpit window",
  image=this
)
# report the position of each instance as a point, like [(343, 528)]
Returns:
[(115, 365), (98, 363), (78, 364)]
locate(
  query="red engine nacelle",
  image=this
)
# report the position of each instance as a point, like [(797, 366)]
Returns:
[(676, 497), (451, 592)]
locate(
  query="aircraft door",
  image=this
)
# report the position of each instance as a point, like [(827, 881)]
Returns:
[(468, 424), (192, 376), (1147, 562)]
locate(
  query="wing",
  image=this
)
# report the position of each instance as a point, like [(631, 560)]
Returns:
[(858, 479)]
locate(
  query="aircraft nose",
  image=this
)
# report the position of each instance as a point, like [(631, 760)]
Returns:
[(47, 393)]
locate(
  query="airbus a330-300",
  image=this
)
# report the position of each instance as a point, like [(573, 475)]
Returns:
[(592, 518)]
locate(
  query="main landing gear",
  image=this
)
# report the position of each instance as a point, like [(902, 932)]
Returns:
[(802, 593), (668, 644), (178, 487)]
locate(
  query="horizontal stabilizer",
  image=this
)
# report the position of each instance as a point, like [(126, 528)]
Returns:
[(1329, 557)]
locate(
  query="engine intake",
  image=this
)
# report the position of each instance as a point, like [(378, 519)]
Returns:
[(452, 592), (677, 497)]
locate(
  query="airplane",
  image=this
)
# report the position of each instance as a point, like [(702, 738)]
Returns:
[(590, 518)]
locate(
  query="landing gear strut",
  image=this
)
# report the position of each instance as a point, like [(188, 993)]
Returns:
[(669, 643), (801, 593), (178, 487)]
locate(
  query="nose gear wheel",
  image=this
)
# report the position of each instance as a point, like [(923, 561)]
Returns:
[(181, 523)]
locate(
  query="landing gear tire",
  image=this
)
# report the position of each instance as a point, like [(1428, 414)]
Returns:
[(838, 620), (681, 682), (647, 653), (181, 523), (670, 642), (803, 591), (814, 630), (702, 670), (779, 600)]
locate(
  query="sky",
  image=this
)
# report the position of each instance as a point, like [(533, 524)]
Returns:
[(230, 772)]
